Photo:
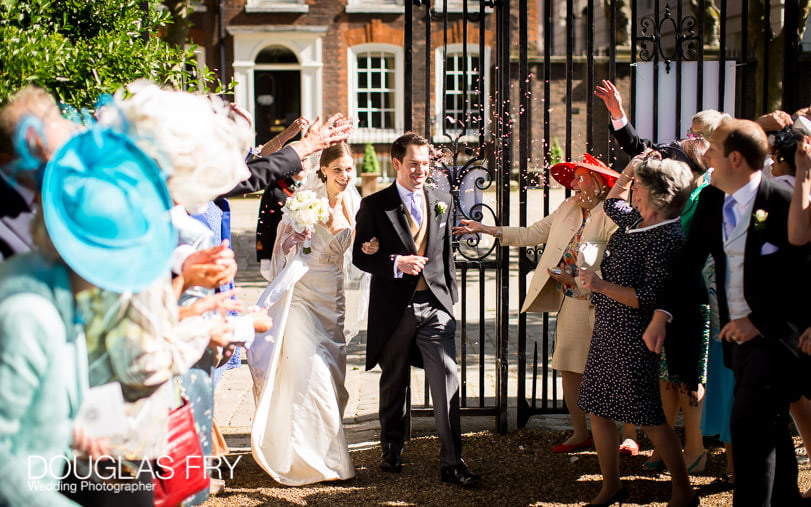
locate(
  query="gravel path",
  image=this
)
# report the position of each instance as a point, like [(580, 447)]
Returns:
[(517, 469)]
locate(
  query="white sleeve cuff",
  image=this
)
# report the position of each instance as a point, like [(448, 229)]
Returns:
[(618, 124), (179, 256), (397, 272), (243, 330)]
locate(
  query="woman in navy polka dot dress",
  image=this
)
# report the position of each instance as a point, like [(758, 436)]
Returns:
[(621, 379)]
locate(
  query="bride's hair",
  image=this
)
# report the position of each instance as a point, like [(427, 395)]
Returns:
[(331, 154)]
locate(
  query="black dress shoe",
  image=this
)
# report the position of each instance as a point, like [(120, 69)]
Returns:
[(620, 496), (390, 462), (459, 474)]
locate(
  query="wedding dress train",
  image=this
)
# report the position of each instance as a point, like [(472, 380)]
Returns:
[(299, 367)]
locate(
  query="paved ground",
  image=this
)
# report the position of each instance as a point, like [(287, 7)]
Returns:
[(234, 404)]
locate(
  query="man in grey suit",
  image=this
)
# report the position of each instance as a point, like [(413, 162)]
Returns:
[(413, 290)]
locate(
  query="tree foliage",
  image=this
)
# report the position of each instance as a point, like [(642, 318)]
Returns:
[(80, 49), (370, 163)]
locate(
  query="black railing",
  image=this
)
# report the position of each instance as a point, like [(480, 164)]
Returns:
[(487, 141)]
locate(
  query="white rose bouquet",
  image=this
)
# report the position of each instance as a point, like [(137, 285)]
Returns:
[(302, 211)]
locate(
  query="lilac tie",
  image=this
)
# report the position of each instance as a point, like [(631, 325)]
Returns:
[(416, 208), (729, 216)]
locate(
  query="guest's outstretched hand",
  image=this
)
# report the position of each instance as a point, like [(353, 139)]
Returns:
[(261, 320), (776, 120), (611, 97), (278, 142), (210, 268), (322, 135), (802, 158), (473, 227)]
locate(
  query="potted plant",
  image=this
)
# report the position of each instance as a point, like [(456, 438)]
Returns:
[(369, 171)]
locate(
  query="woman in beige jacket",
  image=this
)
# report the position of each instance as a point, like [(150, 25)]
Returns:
[(575, 235)]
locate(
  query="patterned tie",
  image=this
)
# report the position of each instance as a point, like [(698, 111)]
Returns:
[(416, 208), (729, 216)]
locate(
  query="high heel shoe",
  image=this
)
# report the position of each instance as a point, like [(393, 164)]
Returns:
[(653, 466), (699, 464), (620, 496)]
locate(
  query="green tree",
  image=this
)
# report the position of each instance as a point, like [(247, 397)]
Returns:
[(370, 163), (79, 49)]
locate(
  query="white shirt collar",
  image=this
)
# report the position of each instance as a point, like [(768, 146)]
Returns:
[(744, 195), (405, 193), (654, 226)]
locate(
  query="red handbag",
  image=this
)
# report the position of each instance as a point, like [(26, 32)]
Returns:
[(182, 471)]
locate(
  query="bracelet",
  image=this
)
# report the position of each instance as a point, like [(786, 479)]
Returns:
[(499, 233)]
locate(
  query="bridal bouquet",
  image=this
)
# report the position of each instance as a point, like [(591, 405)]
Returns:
[(303, 210)]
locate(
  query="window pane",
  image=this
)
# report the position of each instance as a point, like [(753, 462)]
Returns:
[(376, 80), (389, 120), (390, 102), (362, 80)]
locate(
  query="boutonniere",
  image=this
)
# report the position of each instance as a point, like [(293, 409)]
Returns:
[(441, 207), (760, 217)]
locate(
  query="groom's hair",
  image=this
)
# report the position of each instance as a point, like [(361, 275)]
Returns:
[(399, 146)]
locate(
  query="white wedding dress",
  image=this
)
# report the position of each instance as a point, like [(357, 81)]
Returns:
[(299, 366)]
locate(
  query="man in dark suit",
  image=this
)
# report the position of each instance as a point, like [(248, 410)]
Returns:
[(31, 130), (413, 291), (741, 220)]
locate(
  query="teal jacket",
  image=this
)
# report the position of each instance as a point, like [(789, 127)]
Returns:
[(43, 374)]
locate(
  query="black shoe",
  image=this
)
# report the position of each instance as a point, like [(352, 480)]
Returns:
[(620, 496), (459, 474), (390, 462)]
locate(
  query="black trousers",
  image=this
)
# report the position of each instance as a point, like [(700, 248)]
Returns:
[(766, 381), (432, 329)]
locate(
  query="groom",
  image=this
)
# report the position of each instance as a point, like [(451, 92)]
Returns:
[(413, 290)]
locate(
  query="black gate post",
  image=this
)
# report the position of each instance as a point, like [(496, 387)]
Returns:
[(503, 146)]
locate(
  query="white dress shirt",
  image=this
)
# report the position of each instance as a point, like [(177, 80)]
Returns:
[(735, 244)]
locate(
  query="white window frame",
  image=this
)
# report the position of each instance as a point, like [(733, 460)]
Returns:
[(375, 7), (457, 7), (297, 6), (376, 135), (439, 118)]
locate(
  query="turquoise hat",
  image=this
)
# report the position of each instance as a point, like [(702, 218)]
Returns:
[(106, 209)]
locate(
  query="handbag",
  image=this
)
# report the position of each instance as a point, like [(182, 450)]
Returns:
[(176, 481)]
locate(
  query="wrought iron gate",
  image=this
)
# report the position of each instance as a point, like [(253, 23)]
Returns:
[(491, 140)]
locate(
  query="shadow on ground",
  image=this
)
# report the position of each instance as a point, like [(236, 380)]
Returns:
[(517, 469)]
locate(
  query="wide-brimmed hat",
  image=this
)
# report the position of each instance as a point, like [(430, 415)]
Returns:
[(563, 172), (106, 209)]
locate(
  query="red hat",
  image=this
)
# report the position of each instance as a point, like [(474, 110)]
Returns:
[(563, 172)]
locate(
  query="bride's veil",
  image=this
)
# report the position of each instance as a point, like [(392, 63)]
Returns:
[(356, 282)]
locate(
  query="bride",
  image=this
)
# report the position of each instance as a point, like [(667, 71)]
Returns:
[(299, 367)]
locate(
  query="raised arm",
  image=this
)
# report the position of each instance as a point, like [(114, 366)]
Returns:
[(799, 215)]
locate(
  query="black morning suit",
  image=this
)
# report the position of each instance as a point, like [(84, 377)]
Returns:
[(395, 310), (769, 370), (15, 222)]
